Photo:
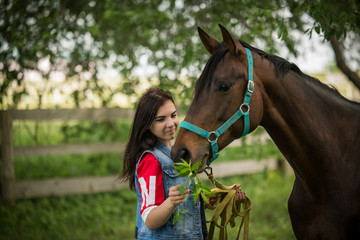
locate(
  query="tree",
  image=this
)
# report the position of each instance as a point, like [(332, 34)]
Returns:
[(339, 23), (81, 37)]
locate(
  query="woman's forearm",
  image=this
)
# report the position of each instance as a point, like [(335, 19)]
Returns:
[(158, 216)]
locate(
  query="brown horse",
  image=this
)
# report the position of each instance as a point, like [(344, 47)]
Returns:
[(316, 129)]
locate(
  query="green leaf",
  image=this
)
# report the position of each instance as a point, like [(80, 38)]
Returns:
[(180, 166), (183, 211), (196, 191), (204, 197), (185, 163), (195, 166), (206, 190), (198, 182), (195, 197), (183, 173), (182, 189), (189, 181), (176, 218)]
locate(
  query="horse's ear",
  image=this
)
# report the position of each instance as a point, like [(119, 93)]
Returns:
[(210, 43), (231, 42)]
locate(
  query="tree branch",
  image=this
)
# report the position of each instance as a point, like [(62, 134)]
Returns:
[(340, 62)]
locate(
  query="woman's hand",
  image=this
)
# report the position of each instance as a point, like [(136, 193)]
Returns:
[(175, 196), (240, 195)]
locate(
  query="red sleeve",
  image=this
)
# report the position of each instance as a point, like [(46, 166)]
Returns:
[(150, 180)]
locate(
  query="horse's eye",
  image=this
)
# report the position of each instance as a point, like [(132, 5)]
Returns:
[(223, 87)]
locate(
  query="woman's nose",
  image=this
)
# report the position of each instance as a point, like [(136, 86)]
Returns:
[(170, 123)]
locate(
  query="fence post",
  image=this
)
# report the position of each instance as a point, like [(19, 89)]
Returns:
[(7, 158)]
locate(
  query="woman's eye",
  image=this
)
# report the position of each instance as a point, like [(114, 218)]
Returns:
[(223, 87), (159, 119)]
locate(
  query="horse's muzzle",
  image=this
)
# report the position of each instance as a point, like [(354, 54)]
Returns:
[(181, 153)]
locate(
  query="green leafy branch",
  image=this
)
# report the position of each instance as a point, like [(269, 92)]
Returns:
[(190, 171)]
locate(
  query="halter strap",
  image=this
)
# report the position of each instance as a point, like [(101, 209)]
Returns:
[(226, 125)]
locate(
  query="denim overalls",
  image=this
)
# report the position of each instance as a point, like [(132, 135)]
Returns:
[(193, 223)]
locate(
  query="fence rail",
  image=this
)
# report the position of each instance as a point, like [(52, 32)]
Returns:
[(95, 114), (12, 189), (86, 148)]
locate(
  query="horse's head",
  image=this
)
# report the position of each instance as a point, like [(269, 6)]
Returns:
[(219, 94)]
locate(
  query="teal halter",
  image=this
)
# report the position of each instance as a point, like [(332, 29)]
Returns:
[(240, 113)]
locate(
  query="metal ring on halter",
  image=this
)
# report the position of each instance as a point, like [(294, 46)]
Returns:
[(216, 138), (245, 105)]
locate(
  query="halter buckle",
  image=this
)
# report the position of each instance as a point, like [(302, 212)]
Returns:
[(250, 86)]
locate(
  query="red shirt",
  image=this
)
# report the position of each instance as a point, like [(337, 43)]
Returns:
[(150, 180)]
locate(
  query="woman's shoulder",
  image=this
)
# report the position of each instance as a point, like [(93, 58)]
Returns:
[(148, 156), (148, 161)]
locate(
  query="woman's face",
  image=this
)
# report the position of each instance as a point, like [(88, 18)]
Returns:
[(165, 123)]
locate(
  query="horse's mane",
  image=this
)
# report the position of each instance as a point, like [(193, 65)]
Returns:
[(281, 65)]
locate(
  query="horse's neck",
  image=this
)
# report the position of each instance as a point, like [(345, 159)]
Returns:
[(308, 124)]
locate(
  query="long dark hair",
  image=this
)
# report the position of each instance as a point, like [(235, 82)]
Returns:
[(141, 138)]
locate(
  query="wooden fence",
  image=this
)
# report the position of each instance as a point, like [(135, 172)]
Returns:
[(12, 189)]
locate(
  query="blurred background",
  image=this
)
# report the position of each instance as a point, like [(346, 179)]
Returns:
[(71, 73)]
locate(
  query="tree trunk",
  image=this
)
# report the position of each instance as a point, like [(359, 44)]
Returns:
[(340, 62)]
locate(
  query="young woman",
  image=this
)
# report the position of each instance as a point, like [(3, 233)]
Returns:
[(149, 169)]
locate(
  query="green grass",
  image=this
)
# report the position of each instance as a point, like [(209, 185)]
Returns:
[(112, 215), (98, 216)]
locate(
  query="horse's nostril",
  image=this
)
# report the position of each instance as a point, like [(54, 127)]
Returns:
[(182, 153)]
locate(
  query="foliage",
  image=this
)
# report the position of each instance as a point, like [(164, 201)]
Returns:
[(331, 17), (81, 38), (190, 171), (339, 23)]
